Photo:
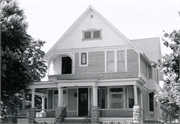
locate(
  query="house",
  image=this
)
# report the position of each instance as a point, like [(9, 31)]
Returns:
[(97, 74)]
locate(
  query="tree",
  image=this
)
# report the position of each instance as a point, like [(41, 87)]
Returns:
[(21, 55), (170, 94)]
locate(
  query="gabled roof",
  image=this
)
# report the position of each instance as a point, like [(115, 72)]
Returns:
[(150, 47), (75, 25)]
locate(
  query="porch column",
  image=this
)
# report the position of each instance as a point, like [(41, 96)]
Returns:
[(135, 95), (60, 97), (94, 92), (23, 107), (43, 98), (32, 96)]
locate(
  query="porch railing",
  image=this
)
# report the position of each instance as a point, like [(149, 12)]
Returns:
[(116, 112), (87, 118), (61, 117), (41, 113)]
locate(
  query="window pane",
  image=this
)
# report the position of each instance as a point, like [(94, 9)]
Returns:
[(150, 72), (120, 66), (96, 34), (116, 101), (83, 58), (121, 61), (110, 61), (87, 35), (121, 55), (110, 66), (151, 101), (131, 97)]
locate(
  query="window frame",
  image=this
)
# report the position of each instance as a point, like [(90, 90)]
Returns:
[(92, 34), (115, 60), (128, 97), (109, 98), (80, 59)]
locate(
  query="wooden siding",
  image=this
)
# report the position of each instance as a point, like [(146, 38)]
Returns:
[(96, 68), (95, 63), (132, 61)]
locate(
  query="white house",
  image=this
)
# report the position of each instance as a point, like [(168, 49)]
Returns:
[(99, 75)]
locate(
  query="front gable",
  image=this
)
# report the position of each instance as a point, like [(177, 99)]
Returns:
[(90, 20)]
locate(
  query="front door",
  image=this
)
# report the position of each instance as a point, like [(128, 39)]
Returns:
[(83, 101)]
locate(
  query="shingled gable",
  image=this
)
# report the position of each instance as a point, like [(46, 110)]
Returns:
[(66, 35)]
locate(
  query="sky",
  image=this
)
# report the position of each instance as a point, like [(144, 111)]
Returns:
[(49, 20)]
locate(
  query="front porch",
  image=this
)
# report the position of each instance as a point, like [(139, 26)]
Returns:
[(113, 101)]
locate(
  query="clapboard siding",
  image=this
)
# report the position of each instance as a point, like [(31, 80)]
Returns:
[(96, 68), (95, 63), (132, 61)]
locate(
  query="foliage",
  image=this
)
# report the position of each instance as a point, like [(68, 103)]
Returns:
[(21, 56), (170, 94)]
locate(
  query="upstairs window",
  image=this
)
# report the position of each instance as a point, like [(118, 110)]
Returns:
[(83, 59), (87, 35), (110, 61), (96, 34), (91, 34), (121, 61)]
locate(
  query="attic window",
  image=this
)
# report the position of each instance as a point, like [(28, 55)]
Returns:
[(91, 16), (92, 35)]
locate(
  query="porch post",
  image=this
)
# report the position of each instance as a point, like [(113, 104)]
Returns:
[(94, 95), (60, 97), (43, 98), (95, 111), (33, 93), (135, 95)]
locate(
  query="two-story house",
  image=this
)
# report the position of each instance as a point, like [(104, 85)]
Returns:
[(97, 73)]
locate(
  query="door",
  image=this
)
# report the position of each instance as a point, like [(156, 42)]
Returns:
[(83, 101), (66, 65)]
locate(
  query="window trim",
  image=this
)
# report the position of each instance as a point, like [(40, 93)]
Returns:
[(115, 60), (92, 34), (80, 59), (123, 97)]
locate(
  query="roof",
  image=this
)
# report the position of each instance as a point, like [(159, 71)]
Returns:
[(150, 47)]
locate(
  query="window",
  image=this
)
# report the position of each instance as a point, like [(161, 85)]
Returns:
[(102, 94), (87, 35), (130, 92), (96, 34), (116, 97), (116, 61), (83, 59), (110, 61), (121, 61), (91, 34), (150, 72), (151, 101)]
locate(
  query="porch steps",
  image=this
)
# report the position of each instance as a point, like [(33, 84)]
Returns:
[(72, 120)]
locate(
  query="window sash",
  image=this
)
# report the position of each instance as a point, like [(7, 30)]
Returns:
[(121, 61), (96, 34), (110, 61), (87, 35), (83, 58)]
